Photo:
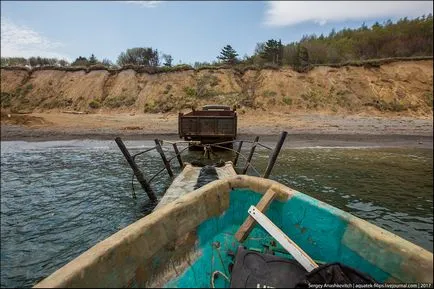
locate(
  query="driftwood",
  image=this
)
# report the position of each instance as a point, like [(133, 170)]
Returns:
[(74, 112)]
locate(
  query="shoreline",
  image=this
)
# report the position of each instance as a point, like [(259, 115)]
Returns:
[(295, 139), (304, 129)]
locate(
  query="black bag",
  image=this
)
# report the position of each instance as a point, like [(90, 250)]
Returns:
[(334, 273), (258, 270)]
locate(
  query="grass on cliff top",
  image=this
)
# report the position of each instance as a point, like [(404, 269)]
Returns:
[(238, 67)]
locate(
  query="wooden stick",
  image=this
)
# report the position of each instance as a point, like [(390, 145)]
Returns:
[(301, 256), (249, 223), (137, 172), (249, 159), (163, 157), (178, 156), (275, 154), (238, 153)]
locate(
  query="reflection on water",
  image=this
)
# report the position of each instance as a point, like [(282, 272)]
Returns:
[(60, 198)]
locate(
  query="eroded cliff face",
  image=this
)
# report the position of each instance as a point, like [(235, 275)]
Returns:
[(405, 86)]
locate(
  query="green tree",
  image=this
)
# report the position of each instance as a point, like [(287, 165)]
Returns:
[(403, 38), (14, 61), (228, 55), (272, 51), (106, 62), (168, 59), (303, 55), (93, 60), (80, 61), (198, 64), (139, 56), (63, 62), (33, 62)]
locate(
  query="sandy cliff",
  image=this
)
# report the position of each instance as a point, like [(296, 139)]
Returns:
[(405, 87)]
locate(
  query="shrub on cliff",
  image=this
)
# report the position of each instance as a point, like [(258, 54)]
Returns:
[(94, 104)]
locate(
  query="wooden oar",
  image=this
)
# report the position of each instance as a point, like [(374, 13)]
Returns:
[(302, 257)]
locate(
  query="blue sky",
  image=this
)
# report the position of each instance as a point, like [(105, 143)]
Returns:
[(189, 31)]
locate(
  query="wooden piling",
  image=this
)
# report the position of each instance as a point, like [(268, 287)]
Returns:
[(178, 156), (163, 157), (139, 175), (238, 153), (249, 159), (275, 154)]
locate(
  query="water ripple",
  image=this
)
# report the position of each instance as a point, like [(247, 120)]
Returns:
[(58, 199)]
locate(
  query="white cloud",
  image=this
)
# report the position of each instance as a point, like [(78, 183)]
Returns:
[(287, 13), (21, 41), (146, 4)]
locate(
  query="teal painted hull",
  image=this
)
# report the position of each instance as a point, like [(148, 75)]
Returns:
[(183, 243), (317, 230)]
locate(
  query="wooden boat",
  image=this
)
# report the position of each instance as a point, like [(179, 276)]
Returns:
[(184, 242)]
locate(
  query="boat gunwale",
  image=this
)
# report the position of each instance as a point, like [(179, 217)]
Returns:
[(209, 201)]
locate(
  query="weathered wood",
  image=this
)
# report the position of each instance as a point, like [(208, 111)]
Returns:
[(163, 157), (139, 175), (249, 159), (249, 223), (148, 238), (301, 256), (178, 156), (238, 153), (275, 154), (184, 183)]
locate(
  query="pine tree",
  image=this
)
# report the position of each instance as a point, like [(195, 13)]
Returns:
[(228, 55), (273, 51), (92, 60)]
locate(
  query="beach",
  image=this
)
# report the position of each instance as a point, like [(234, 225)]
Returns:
[(304, 129)]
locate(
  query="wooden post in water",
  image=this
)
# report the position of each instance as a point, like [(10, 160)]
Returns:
[(163, 157), (252, 151), (275, 154), (178, 156), (136, 170), (238, 153)]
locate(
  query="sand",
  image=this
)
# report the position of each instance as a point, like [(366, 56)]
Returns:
[(318, 129)]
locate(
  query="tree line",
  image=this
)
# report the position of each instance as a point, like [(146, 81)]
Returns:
[(143, 56), (404, 38)]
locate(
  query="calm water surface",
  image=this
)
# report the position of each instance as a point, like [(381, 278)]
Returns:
[(58, 199)]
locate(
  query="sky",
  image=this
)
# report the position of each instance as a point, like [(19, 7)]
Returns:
[(190, 31)]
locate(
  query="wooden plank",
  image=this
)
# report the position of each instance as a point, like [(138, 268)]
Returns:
[(184, 183), (302, 257), (249, 223)]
